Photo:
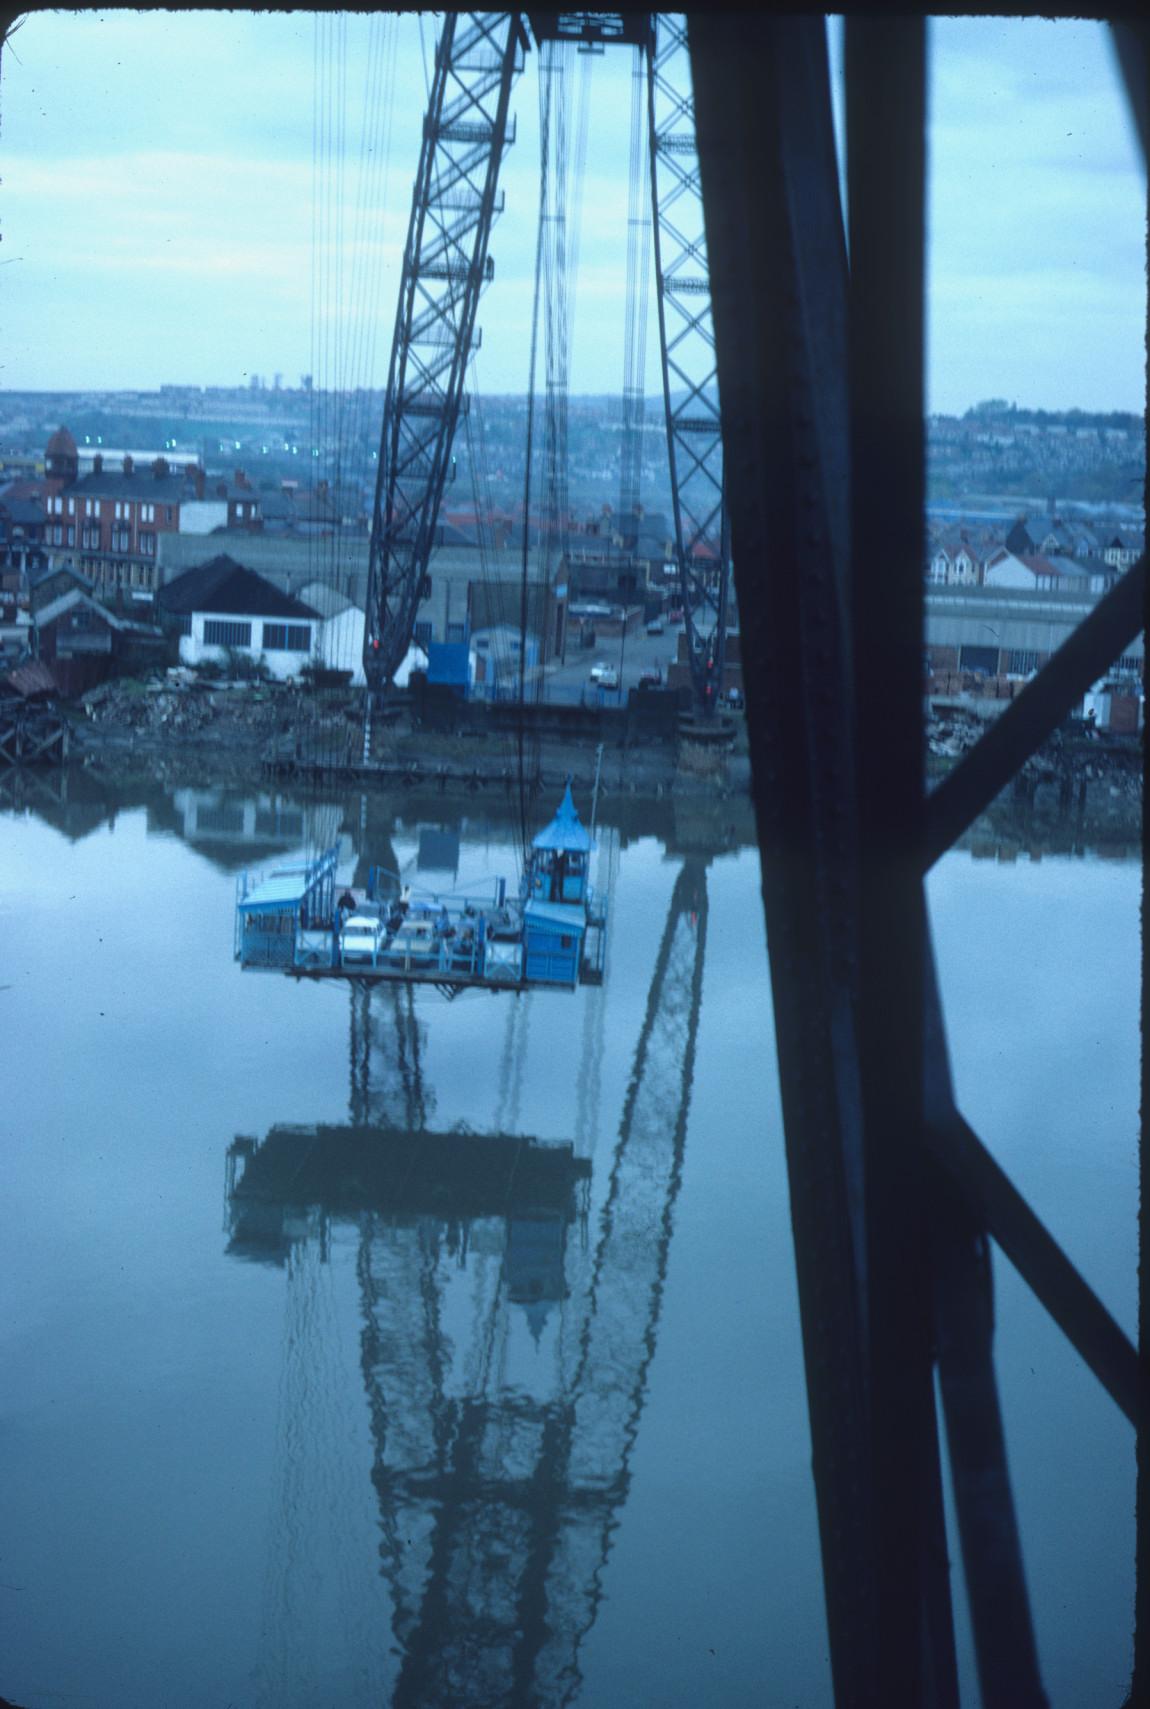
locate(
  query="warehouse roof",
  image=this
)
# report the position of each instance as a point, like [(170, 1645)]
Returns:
[(222, 585)]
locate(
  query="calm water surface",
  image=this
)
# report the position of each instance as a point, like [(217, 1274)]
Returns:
[(337, 1418)]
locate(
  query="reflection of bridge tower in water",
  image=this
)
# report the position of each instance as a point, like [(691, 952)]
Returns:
[(503, 1352)]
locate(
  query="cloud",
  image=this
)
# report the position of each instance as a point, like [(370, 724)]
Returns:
[(1036, 217), (159, 171), (163, 75)]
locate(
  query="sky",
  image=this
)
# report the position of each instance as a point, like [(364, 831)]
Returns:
[(163, 219)]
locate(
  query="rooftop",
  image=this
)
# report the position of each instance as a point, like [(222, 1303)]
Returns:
[(326, 599), (565, 830), (564, 914), (282, 887), (223, 586), (144, 483), (61, 444)]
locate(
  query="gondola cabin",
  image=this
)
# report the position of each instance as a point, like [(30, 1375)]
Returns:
[(555, 898), (275, 910)]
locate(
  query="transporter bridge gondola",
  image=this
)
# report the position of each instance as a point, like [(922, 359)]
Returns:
[(550, 933)]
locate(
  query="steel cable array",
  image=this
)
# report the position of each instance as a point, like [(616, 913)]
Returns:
[(637, 303), (544, 152), (347, 269)]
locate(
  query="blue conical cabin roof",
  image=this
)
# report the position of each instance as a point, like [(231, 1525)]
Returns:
[(566, 829)]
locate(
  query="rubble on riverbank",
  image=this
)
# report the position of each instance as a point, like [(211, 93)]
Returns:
[(246, 729), (243, 729), (1074, 756), (183, 709)]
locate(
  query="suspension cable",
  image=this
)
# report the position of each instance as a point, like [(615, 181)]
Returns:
[(638, 287), (544, 150)]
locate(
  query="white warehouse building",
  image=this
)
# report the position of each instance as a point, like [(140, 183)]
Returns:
[(222, 609)]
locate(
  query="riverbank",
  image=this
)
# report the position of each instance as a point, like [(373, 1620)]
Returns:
[(234, 734), (229, 732)]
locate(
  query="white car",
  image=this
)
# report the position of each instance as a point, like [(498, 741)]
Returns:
[(604, 675), (361, 938)]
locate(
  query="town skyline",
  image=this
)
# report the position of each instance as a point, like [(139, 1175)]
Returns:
[(244, 385)]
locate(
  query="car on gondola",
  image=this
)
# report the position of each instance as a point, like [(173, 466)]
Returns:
[(361, 938), (415, 943)]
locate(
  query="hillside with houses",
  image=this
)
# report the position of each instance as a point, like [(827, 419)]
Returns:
[(1068, 456), (291, 438)]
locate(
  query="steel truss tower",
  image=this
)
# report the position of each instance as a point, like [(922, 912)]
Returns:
[(445, 267)]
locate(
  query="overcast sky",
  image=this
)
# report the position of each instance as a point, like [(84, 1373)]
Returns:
[(158, 185)]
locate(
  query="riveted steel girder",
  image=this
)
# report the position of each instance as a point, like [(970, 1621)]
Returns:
[(893, 1197)]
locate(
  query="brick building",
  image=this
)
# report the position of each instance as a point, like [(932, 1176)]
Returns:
[(109, 520), (116, 517)]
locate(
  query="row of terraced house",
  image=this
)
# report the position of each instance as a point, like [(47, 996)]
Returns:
[(1041, 555)]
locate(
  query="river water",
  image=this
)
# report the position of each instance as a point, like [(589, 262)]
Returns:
[(299, 1417)]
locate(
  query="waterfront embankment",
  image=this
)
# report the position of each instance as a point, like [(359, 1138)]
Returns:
[(242, 733)]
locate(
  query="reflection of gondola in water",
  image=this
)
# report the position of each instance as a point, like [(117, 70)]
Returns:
[(294, 1183), (504, 1355)]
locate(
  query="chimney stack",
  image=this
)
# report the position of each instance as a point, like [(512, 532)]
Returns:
[(98, 464), (128, 465), (160, 468), (242, 479)]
